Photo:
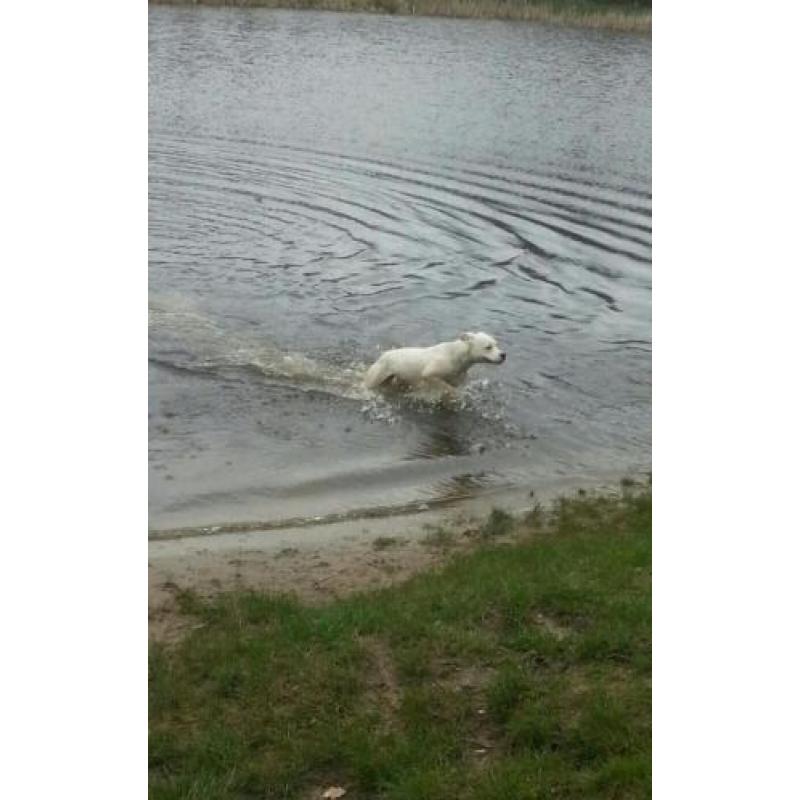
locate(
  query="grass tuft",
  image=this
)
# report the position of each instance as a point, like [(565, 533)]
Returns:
[(385, 542), (500, 523)]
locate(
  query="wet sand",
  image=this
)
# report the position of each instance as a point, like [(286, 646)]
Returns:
[(322, 562)]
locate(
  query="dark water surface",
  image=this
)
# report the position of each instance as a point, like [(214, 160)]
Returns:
[(326, 185)]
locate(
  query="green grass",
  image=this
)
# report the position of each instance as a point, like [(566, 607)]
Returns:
[(518, 671), (634, 15)]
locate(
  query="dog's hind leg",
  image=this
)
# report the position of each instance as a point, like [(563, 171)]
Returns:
[(446, 390), (377, 375)]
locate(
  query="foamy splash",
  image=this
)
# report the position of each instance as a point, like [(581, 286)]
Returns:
[(190, 340)]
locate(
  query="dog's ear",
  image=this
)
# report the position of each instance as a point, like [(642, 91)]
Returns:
[(466, 337)]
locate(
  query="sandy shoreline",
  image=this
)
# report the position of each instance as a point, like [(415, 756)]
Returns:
[(322, 562)]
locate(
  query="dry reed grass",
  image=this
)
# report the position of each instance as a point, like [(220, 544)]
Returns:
[(592, 16)]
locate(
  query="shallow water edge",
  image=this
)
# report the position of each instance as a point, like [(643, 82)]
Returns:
[(398, 516)]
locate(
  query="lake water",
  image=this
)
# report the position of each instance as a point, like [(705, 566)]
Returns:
[(326, 185)]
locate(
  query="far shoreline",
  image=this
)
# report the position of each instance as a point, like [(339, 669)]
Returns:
[(631, 19)]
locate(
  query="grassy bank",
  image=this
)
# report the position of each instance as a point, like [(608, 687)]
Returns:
[(520, 670), (630, 15)]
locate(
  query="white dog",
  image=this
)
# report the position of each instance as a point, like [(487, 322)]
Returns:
[(444, 365)]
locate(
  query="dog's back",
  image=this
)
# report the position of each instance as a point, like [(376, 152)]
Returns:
[(447, 361), (407, 364)]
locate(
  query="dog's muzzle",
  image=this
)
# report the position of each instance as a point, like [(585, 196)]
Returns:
[(502, 357)]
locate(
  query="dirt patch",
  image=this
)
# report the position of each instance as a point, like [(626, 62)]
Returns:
[(383, 686), (165, 622), (480, 733), (556, 630), (315, 573)]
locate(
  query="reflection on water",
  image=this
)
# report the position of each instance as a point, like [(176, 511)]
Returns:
[(459, 487), (445, 437), (323, 186)]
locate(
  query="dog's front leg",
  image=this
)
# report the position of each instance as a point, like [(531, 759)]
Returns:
[(447, 390)]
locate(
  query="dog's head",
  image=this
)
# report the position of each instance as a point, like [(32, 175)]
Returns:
[(483, 348)]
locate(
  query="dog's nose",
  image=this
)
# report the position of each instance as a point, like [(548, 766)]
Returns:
[(502, 356)]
